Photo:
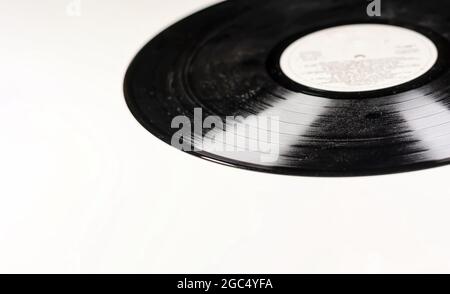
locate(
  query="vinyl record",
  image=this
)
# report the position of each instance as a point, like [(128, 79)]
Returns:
[(313, 88)]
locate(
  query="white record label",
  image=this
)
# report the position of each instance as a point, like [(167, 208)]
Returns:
[(358, 57)]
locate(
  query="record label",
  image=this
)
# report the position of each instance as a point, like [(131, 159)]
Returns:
[(358, 57)]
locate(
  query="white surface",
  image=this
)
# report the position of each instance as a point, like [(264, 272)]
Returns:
[(358, 57), (86, 189)]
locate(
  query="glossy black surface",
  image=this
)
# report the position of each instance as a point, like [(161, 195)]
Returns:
[(224, 60)]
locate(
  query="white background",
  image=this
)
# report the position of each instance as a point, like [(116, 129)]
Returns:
[(85, 189)]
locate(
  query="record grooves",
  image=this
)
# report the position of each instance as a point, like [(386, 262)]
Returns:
[(323, 97)]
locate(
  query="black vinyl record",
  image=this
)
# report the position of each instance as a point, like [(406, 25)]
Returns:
[(327, 109)]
